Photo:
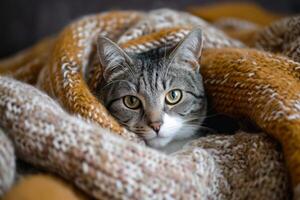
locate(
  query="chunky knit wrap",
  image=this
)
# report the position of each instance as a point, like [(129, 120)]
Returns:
[(71, 134)]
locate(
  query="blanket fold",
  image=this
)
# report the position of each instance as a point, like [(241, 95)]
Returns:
[(88, 147), (7, 163), (106, 166)]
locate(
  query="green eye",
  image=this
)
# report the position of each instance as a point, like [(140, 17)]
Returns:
[(173, 97), (131, 102)]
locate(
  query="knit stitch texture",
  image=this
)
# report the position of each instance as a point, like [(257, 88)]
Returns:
[(70, 132)]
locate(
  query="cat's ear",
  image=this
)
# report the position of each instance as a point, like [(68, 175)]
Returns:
[(189, 49), (110, 54)]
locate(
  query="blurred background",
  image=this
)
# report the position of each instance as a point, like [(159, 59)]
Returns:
[(23, 22)]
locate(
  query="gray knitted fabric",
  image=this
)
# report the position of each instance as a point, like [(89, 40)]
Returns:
[(282, 36)]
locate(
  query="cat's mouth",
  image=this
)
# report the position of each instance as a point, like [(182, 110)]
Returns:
[(158, 142), (151, 136)]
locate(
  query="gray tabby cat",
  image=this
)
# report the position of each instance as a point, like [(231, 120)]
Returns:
[(158, 94)]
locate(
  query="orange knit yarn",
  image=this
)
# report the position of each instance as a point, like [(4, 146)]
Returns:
[(260, 86), (242, 82), (44, 187)]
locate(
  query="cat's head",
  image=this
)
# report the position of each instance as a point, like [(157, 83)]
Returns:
[(158, 94)]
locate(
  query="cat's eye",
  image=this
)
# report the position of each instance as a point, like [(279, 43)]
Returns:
[(173, 97), (131, 102)]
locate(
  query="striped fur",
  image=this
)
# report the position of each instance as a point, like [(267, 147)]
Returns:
[(149, 76)]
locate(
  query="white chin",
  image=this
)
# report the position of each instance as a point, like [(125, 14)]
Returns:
[(158, 142)]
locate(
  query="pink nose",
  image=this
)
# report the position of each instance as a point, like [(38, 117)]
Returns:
[(155, 126)]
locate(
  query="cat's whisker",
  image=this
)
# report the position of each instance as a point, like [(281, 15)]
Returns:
[(152, 75), (201, 127), (192, 121), (212, 131), (210, 116), (206, 116), (193, 118)]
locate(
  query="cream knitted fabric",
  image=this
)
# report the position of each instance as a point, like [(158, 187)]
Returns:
[(106, 166), (7, 163)]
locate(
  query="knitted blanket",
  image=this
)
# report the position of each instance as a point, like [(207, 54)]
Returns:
[(70, 133)]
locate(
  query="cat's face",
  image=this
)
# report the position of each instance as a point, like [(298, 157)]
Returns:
[(158, 94)]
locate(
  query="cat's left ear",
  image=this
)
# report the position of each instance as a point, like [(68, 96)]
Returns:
[(111, 55), (189, 49)]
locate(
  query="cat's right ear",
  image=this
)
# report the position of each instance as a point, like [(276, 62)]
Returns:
[(189, 49), (110, 54)]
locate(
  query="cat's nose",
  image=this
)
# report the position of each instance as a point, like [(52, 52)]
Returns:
[(155, 126)]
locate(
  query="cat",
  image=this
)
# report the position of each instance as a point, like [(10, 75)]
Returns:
[(158, 94)]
